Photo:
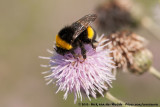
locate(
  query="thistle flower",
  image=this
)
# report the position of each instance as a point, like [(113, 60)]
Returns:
[(77, 75), (130, 53), (124, 45), (113, 16)]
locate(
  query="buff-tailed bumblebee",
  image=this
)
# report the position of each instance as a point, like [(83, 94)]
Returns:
[(76, 35)]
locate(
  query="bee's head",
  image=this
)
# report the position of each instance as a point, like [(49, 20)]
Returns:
[(61, 50)]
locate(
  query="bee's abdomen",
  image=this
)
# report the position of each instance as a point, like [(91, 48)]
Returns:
[(90, 33), (87, 35)]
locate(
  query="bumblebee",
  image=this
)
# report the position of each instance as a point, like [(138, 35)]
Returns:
[(76, 35)]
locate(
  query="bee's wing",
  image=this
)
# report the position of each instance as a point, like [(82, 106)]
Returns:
[(82, 24)]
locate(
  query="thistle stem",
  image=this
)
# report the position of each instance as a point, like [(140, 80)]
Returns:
[(154, 72), (110, 97)]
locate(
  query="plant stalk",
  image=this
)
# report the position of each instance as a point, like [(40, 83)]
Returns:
[(110, 97), (154, 72)]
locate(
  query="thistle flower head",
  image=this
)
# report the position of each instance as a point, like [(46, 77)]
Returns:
[(124, 45), (113, 16), (77, 75)]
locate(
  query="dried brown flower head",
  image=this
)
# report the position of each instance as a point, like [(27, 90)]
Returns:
[(113, 16), (124, 45)]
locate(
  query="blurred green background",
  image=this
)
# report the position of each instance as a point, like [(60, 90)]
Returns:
[(28, 28)]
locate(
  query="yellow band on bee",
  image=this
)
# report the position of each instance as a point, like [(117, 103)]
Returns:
[(90, 32), (62, 44)]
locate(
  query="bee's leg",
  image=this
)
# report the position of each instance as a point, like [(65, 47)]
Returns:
[(95, 41), (74, 54), (93, 44), (83, 50)]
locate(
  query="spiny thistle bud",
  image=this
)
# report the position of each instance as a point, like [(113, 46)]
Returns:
[(142, 61), (124, 45), (113, 16)]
